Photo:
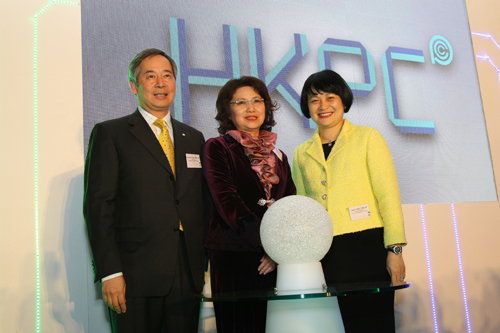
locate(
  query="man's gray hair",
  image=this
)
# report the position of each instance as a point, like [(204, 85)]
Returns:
[(133, 67)]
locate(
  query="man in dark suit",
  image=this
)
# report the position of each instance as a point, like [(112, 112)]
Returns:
[(144, 206)]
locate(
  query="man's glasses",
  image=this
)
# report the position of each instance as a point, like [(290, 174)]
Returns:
[(244, 103)]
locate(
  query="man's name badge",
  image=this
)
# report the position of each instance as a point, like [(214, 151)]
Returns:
[(193, 161), (359, 212)]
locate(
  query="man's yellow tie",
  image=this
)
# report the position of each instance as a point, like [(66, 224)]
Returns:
[(168, 147), (166, 142)]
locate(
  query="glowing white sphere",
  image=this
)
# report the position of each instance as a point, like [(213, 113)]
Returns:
[(296, 229)]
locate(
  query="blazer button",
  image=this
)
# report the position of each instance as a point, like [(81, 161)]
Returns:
[(324, 196), (323, 182)]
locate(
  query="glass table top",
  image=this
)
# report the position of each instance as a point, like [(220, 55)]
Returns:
[(344, 289)]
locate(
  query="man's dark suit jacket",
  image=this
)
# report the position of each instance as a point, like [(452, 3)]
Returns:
[(133, 204)]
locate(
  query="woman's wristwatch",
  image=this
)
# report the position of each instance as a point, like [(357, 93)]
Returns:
[(396, 249)]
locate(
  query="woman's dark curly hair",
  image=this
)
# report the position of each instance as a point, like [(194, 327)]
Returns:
[(225, 96)]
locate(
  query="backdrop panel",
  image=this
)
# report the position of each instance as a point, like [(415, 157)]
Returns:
[(410, 64)]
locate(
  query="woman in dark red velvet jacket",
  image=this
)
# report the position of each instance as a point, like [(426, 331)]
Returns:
[(245, 174)]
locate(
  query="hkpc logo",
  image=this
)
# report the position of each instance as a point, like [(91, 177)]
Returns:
[(440, 50)]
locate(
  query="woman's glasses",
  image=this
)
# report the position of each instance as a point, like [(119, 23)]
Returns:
[(245, 103)]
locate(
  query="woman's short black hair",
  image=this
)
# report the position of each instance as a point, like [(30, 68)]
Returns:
[(226, 95), (326, 81)]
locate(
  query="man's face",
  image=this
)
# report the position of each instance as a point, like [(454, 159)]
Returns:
[(155, 87)]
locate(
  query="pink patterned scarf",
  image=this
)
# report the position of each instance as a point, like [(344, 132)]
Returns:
[(263, 161)]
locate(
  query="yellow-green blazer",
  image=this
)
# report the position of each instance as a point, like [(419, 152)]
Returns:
[(358, 171)]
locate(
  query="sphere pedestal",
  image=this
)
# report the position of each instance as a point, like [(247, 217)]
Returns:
[(306, 278), (296, 232), (312, 315)]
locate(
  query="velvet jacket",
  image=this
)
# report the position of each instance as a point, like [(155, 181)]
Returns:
[(235, 216)]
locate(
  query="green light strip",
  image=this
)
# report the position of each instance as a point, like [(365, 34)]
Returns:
[(36, 180)]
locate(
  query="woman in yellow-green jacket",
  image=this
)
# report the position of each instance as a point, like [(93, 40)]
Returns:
[(349, 170)]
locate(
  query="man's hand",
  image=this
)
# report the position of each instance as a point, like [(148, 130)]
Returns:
[(396, 268), (113, 294)]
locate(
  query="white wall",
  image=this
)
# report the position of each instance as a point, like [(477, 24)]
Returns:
[(68, 301)]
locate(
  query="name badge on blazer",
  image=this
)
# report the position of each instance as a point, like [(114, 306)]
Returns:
[(193, 161), (359, 212)]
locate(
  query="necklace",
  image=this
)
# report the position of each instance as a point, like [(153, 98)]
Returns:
[(329, 142)]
